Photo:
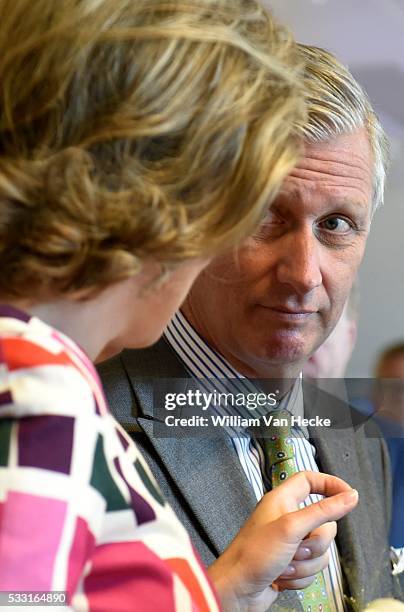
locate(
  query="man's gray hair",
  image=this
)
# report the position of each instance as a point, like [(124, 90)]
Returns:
[(338, 105)]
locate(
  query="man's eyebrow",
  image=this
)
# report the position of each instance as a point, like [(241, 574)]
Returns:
[(281, 204), (354, 205), (346, 203), (274, 206)]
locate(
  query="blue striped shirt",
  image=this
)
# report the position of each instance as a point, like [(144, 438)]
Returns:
[(202, 361)]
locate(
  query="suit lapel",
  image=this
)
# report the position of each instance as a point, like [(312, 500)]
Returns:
[(337, 455)]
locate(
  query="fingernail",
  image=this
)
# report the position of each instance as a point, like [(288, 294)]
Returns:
[(289, 571), (305, 553), (350, 496)]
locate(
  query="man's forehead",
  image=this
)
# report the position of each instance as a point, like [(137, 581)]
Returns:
[(347, 191), (342, 167)]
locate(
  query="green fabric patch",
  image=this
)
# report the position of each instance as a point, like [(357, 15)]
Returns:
[(6, 426), (149, 484), (103, 482)]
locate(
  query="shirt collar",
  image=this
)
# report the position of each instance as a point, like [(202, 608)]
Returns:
[(202, 361)]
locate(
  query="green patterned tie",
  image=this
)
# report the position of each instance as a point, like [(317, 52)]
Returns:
[(280, 454)]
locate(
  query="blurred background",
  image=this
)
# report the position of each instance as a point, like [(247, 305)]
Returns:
[(368, 35)]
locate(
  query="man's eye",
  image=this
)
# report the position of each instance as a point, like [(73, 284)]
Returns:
[(336, 224)]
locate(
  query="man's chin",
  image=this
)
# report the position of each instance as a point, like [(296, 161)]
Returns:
[(287, 352)]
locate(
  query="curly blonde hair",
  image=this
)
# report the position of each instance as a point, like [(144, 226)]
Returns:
[(132, 130)]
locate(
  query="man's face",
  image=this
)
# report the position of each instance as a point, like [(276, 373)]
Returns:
[(392, 367), (269, 306), (389, 398)]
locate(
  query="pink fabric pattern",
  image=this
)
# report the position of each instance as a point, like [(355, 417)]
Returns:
[(79, 508)]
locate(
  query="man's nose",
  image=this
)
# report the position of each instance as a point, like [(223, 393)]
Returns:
[(299, 265)]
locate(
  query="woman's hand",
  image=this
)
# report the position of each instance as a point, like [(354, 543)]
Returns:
[(281, 547)]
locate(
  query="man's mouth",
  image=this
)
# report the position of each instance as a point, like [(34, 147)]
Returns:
[(291, 314)]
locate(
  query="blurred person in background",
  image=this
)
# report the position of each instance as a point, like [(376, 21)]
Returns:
[(389, 415), (390, 364)]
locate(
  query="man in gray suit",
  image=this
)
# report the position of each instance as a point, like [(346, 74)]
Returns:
[(261, 313)]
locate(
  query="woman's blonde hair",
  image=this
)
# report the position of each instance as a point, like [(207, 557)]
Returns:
[(136, 129)]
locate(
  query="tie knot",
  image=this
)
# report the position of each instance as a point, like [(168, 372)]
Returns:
[(278, 424)]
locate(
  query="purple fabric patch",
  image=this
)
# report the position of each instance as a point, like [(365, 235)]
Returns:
[(97, 406), (13, 313), (143, 511), (6, 398), (123, 440), (46, 442)]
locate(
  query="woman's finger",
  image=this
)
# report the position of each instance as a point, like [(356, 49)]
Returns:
[(305, 569), (294, 526), (317, 543)]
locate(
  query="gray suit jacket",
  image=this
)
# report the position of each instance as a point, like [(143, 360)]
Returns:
[(205, 483)]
